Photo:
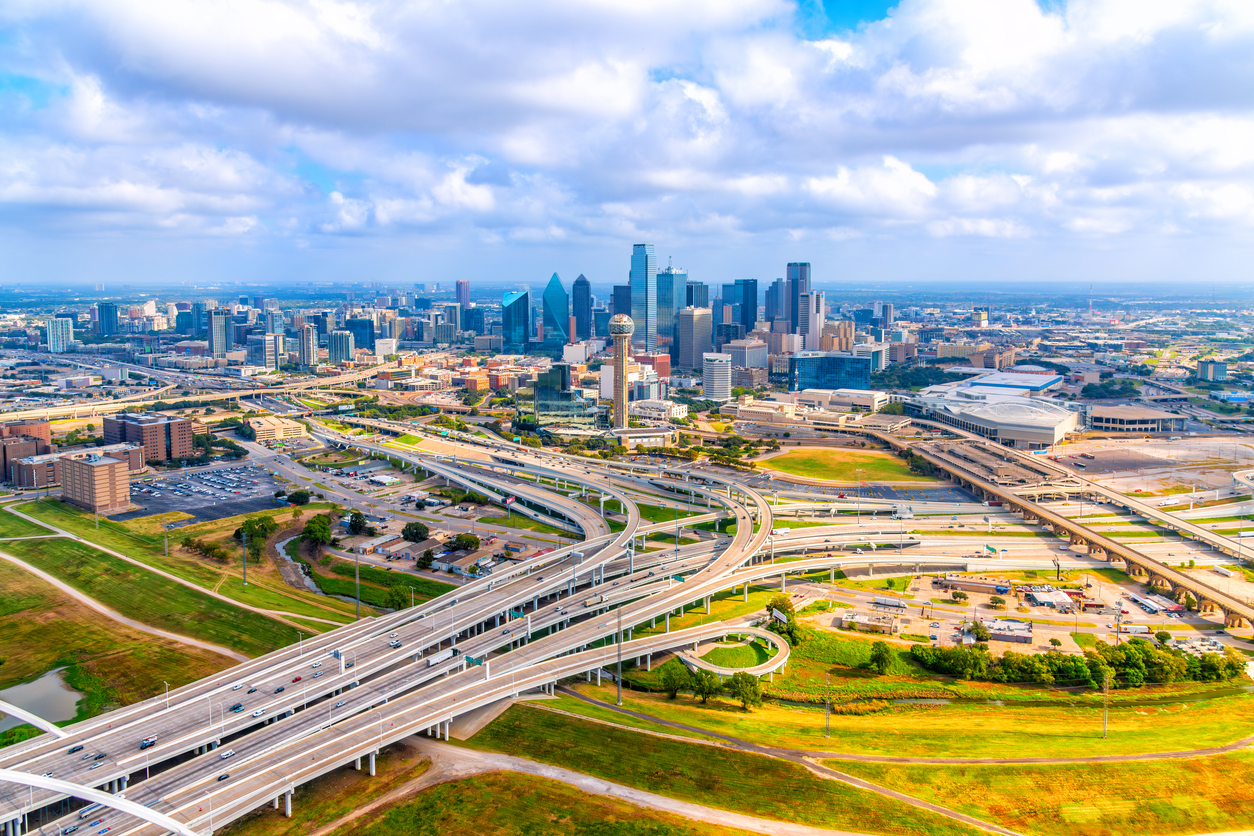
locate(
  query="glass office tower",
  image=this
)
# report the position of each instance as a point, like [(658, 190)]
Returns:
[(516, 321), (828, 370), (362, 330), (643, 284), (552, 401), (556, 306), (581, 307), (672, 292)]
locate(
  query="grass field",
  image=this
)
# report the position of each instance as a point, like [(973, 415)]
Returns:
[(42, 628), (152, 599), (1200, 795), (14, 526), (512, 803), (144, 540), (526, 523), (841, 466), (658, 514), (740, 656), (730, 780)]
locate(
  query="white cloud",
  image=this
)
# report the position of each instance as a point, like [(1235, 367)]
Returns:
[(563, 122)]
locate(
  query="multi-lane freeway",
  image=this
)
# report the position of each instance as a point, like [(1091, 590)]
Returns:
[(209, 752)]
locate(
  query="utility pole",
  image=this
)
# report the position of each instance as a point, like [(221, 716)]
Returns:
[(245, 551), (357, 581), (620, 655), (827, 709), (1105, 701)]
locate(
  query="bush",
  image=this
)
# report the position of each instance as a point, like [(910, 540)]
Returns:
[(300, 497)]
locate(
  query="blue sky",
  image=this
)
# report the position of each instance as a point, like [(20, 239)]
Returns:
[(330, 140)]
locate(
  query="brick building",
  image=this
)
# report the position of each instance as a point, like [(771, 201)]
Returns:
[(98, 483), (42, 471), (163, 437)]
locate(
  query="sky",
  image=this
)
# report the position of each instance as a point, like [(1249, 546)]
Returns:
[(982, 142)]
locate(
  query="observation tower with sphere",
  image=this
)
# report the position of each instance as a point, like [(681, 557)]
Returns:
[(621, 329)]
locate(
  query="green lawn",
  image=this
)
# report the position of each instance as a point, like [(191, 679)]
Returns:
[(14, 526), (842, 466), (1201, 795), (526, 523), (513, 803), (42, 628), (659, 514), (143, 539), (740, 656), (152, 599), (752, 784)]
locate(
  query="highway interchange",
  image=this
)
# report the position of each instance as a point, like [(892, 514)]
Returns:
[(339, 697)]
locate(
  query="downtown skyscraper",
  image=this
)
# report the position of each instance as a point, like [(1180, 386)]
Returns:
[(581, 307), (643, 283)]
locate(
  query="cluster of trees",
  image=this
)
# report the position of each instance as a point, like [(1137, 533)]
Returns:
[(676, 678), (415, 532), (257, 530), (318, 531), (1109, 389), (911, 377), (464, 542), (789, 629), (369, 407), (205, 548), (1132, 663), (920, 465), (449, 422)]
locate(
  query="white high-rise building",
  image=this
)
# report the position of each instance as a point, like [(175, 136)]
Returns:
[(307, 346), (716, 377), (60, 334), (341, 347), (810, 322)]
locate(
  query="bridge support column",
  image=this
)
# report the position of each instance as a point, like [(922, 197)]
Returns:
[(831, 576), (783, 581), (276, 802), (357, 764), (124, 780), (598, 676), (447, 725), (668, 622), (287, 804), (648, 661), (372, 754), (746, 592)]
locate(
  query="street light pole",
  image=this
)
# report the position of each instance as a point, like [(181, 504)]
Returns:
[(858, 492), (620, 655)]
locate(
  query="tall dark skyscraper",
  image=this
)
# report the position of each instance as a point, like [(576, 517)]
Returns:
[(516, 321), (777, 301), (698, 295), (671, 298), (463, 293), (556, 305), (581, 304), (797, 279), (362, 330), (747, 297), (106, 318), (620, 302), (643, 282)]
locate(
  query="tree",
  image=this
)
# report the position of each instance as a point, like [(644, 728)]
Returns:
[(997, 601), (318, 531), (356, 522), (746, 688), (300, 497), (427, 558), (1055, 642), (398, 598), (256, 529), (706, 684), (675, 678), (1163, 637), (790, 629), (464, 542), (881, 658), (959, 595), (415, 532), (980, 632)]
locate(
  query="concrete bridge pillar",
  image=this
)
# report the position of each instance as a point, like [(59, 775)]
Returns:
[(708, 598), (276, 802), (648, 661), (1234, 620), (124, 781), (287, 804), (746, 592), (668, 622), (357, 764), (598, 676), (783, 581), (372, 754)]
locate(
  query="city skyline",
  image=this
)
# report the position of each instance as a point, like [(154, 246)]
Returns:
[(932, 141)]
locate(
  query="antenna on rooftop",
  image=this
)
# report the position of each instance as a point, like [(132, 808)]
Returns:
[(1090, 301)]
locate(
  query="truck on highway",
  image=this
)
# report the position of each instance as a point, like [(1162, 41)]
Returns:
[(594, 600), (779, 532), (1133, 628), (442, 656)]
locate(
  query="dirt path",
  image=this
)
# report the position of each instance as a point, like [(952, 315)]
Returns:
[(277, 615), (452, 763), (793, 754), (117, 616)]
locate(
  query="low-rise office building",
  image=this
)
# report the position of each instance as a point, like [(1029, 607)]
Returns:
[(270, 428)]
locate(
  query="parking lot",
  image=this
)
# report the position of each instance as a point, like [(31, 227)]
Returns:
[(208, 494)]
